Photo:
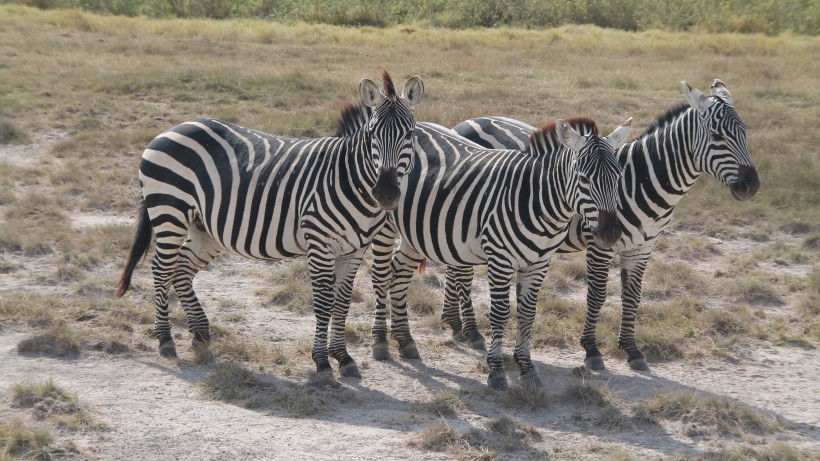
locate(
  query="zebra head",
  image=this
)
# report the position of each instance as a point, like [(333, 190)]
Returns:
[(390, 134), (597, 173), (720, 141)]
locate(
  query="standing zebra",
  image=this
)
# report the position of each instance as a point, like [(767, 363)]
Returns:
[(705, 135), (209, 185), (465, 206)]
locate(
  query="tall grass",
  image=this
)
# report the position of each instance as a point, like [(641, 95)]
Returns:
[(745, 16)]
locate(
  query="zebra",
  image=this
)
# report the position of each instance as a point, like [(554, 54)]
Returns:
[(703, 135), (464, 206), (209, 186)]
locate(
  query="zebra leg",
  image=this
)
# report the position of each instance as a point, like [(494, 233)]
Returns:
[(381, 274), (199, 250), (404, 264), (633, 264), (529, 283), (163, 268), (500, 276), (450, 314), (598, 262), (346, 267), (464, 287), (321, 265)]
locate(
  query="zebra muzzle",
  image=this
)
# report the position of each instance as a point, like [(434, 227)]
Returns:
[(747, 183), (387, 191), (609, 229)]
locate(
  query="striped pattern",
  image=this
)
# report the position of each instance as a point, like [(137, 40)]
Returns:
[(659, 167), (210, 186), (465, 206)]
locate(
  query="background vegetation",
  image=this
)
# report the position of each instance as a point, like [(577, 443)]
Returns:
[(763, 16)]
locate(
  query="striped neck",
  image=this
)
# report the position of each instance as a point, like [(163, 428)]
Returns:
[(664, 158)]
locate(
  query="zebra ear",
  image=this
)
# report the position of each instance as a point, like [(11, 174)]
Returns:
[(370, 93), (413, 91), (619, 135), (719, 89), (695, 98), (570, 138)]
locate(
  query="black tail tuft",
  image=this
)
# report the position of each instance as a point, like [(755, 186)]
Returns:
[(139, 247)]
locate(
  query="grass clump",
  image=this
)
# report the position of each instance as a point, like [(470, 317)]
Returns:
[(54, 403), (512, 434), (422, 297), (722, 413), (237, 385), (11, 133), (292, 287), (17, 441), (58, 341), (443, 403), (523, 393)]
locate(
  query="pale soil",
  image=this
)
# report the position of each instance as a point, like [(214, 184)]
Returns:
[(157, 409)]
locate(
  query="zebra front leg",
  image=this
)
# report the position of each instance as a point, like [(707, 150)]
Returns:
[(381, 274), (499, 276), (633, 264), (529, 283), (199, 250), (598, 262), (321, 266), (405, 262), (346, 268)]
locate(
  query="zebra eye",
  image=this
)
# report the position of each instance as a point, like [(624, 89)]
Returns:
[(717, 137)]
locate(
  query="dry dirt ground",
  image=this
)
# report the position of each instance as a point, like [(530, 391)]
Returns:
[(158, 408)]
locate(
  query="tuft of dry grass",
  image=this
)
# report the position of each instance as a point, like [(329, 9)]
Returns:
[(11, 133), (54, 403), (443, 403), (236, 384), (424, 295), (722, 413), (291, 287), (522, 393), (18, 441), (58, 341)]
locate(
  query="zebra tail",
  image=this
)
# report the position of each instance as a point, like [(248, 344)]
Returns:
[(139, 247), (422, 266)]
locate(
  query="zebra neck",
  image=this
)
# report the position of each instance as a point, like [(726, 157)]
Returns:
[(356, 163), (661, 162), (547, 180)]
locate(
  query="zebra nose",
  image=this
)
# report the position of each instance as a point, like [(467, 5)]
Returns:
[(387, 191), (609, 229), (747, 183)]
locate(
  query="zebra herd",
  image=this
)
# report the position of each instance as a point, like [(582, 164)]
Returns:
[(492, 191)]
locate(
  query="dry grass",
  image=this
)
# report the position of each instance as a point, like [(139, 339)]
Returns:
[(19, 441), (443, 403), (235, 384), (291, 287), (55, 404), (57, 341), (705, 412)]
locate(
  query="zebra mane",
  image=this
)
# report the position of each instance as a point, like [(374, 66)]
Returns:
[(666, 118), (389, 88), (353, 118), (547, 136)]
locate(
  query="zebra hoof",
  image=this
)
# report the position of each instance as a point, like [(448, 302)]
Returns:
[(477, 341), (409, 351), (639, 365), (168, 349), (381, 351), (594, 363), (530, 380), (350, 371), (498, 382)]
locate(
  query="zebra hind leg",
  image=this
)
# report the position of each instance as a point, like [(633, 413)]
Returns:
[(450, 314), (598, 262), (163, 268), (405, 262), (529, 283), (471, 333), (199, 250)]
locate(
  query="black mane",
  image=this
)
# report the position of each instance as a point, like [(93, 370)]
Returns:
[(354, 116), (666, 118)]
